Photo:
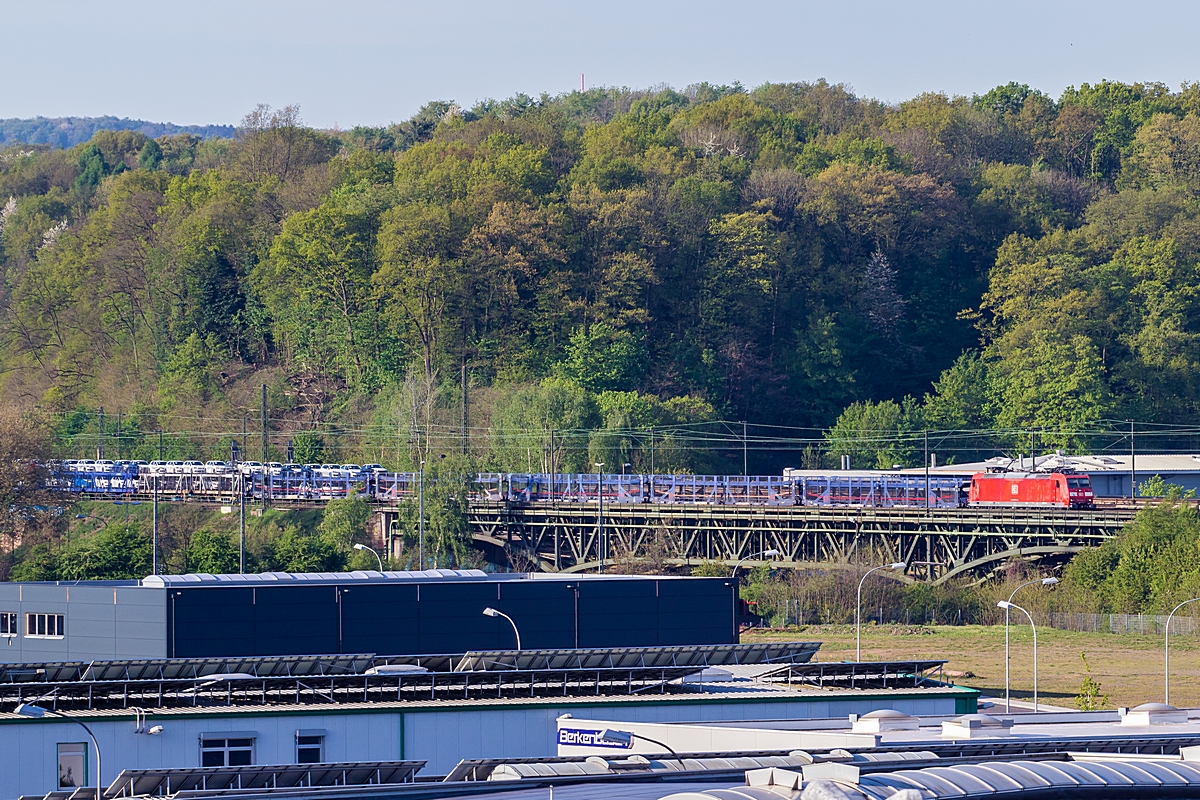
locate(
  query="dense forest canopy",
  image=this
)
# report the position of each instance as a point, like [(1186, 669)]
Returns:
[(605, 262)]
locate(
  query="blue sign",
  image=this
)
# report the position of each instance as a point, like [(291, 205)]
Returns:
[(581, 738)]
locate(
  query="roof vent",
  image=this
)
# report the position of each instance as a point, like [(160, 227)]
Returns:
[(1154, 714), (974, 726), (786, 779), (884, 719)]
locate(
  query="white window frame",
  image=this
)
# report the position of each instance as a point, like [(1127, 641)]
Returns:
[(72, 750), (319, 745), (8, 624), (220, 736), (48, 620)]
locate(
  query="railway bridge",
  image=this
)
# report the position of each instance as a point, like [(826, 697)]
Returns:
[(554, 523), (571, 537)]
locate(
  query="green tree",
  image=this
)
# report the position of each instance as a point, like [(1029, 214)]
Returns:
[(118, 552), (213, 552), (151, 155), (877, 435), (309, 447), (534, 427), (603, 358), (345, 522), (296, 551)]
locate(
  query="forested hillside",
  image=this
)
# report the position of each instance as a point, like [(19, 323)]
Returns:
[(605, 262), (70, 131)]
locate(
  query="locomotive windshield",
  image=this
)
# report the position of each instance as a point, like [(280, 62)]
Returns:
[(1079, 482)]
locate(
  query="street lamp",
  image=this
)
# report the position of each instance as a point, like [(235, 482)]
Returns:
[(491, 612), (1044, 582), (600, 513), (625, 739), (900, 565), (1167, 652), (37, 712), (1007, 606), (623, 468), (360, 546), (764, 554)]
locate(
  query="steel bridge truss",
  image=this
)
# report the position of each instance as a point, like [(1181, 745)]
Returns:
[(567, 537)]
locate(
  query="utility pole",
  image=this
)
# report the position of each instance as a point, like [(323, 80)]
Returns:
[(928, 499), (118, 435), (160, 449), (421, 515), (652, 472), (154, 527), (745, 469), (266, 453), (1132, 465), (466, 411), (241, 479), (100, 446), (600, 548)]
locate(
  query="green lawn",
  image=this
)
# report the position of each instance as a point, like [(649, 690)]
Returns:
[(1129, 667)]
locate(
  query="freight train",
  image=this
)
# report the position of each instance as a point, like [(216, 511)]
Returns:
[(218, 481)]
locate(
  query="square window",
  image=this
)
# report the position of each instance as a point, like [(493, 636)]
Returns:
[(8, 623)]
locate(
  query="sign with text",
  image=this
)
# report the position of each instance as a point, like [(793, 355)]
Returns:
[(581, 738)]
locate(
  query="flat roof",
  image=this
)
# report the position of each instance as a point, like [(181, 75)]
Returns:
[(693, 695), (374, 576)]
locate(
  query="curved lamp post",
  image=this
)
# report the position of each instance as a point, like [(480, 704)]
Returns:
[(37, 712), (491, 612), (360, 546), (1006, 606), (900, 565), (763, 554), (1044, 582), (1167, 652)]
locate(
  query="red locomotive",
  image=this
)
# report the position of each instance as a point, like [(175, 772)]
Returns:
[(1031, 489)]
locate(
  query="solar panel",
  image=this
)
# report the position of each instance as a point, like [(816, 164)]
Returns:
[(234, 689), (184, 668), (169, 782), (855, 675), (638, 657)]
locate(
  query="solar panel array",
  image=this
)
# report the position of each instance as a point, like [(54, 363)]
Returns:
[(856, 675), (639, 657), (185, 668), (209, 780), (302, 680)]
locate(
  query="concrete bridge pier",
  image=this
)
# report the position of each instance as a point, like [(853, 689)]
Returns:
[(385, 533)]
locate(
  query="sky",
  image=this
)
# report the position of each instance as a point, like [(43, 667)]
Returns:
[(371, 62)]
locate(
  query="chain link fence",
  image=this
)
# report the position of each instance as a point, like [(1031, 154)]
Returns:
[(1150, 624)]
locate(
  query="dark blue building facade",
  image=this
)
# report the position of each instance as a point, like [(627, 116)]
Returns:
[(439, 612)]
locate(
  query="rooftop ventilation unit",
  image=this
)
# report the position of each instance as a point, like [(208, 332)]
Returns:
[(976, 726)]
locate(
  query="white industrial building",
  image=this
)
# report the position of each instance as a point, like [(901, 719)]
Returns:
[(435, 710)]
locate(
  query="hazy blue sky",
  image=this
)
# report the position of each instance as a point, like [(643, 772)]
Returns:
[(350, 62)]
